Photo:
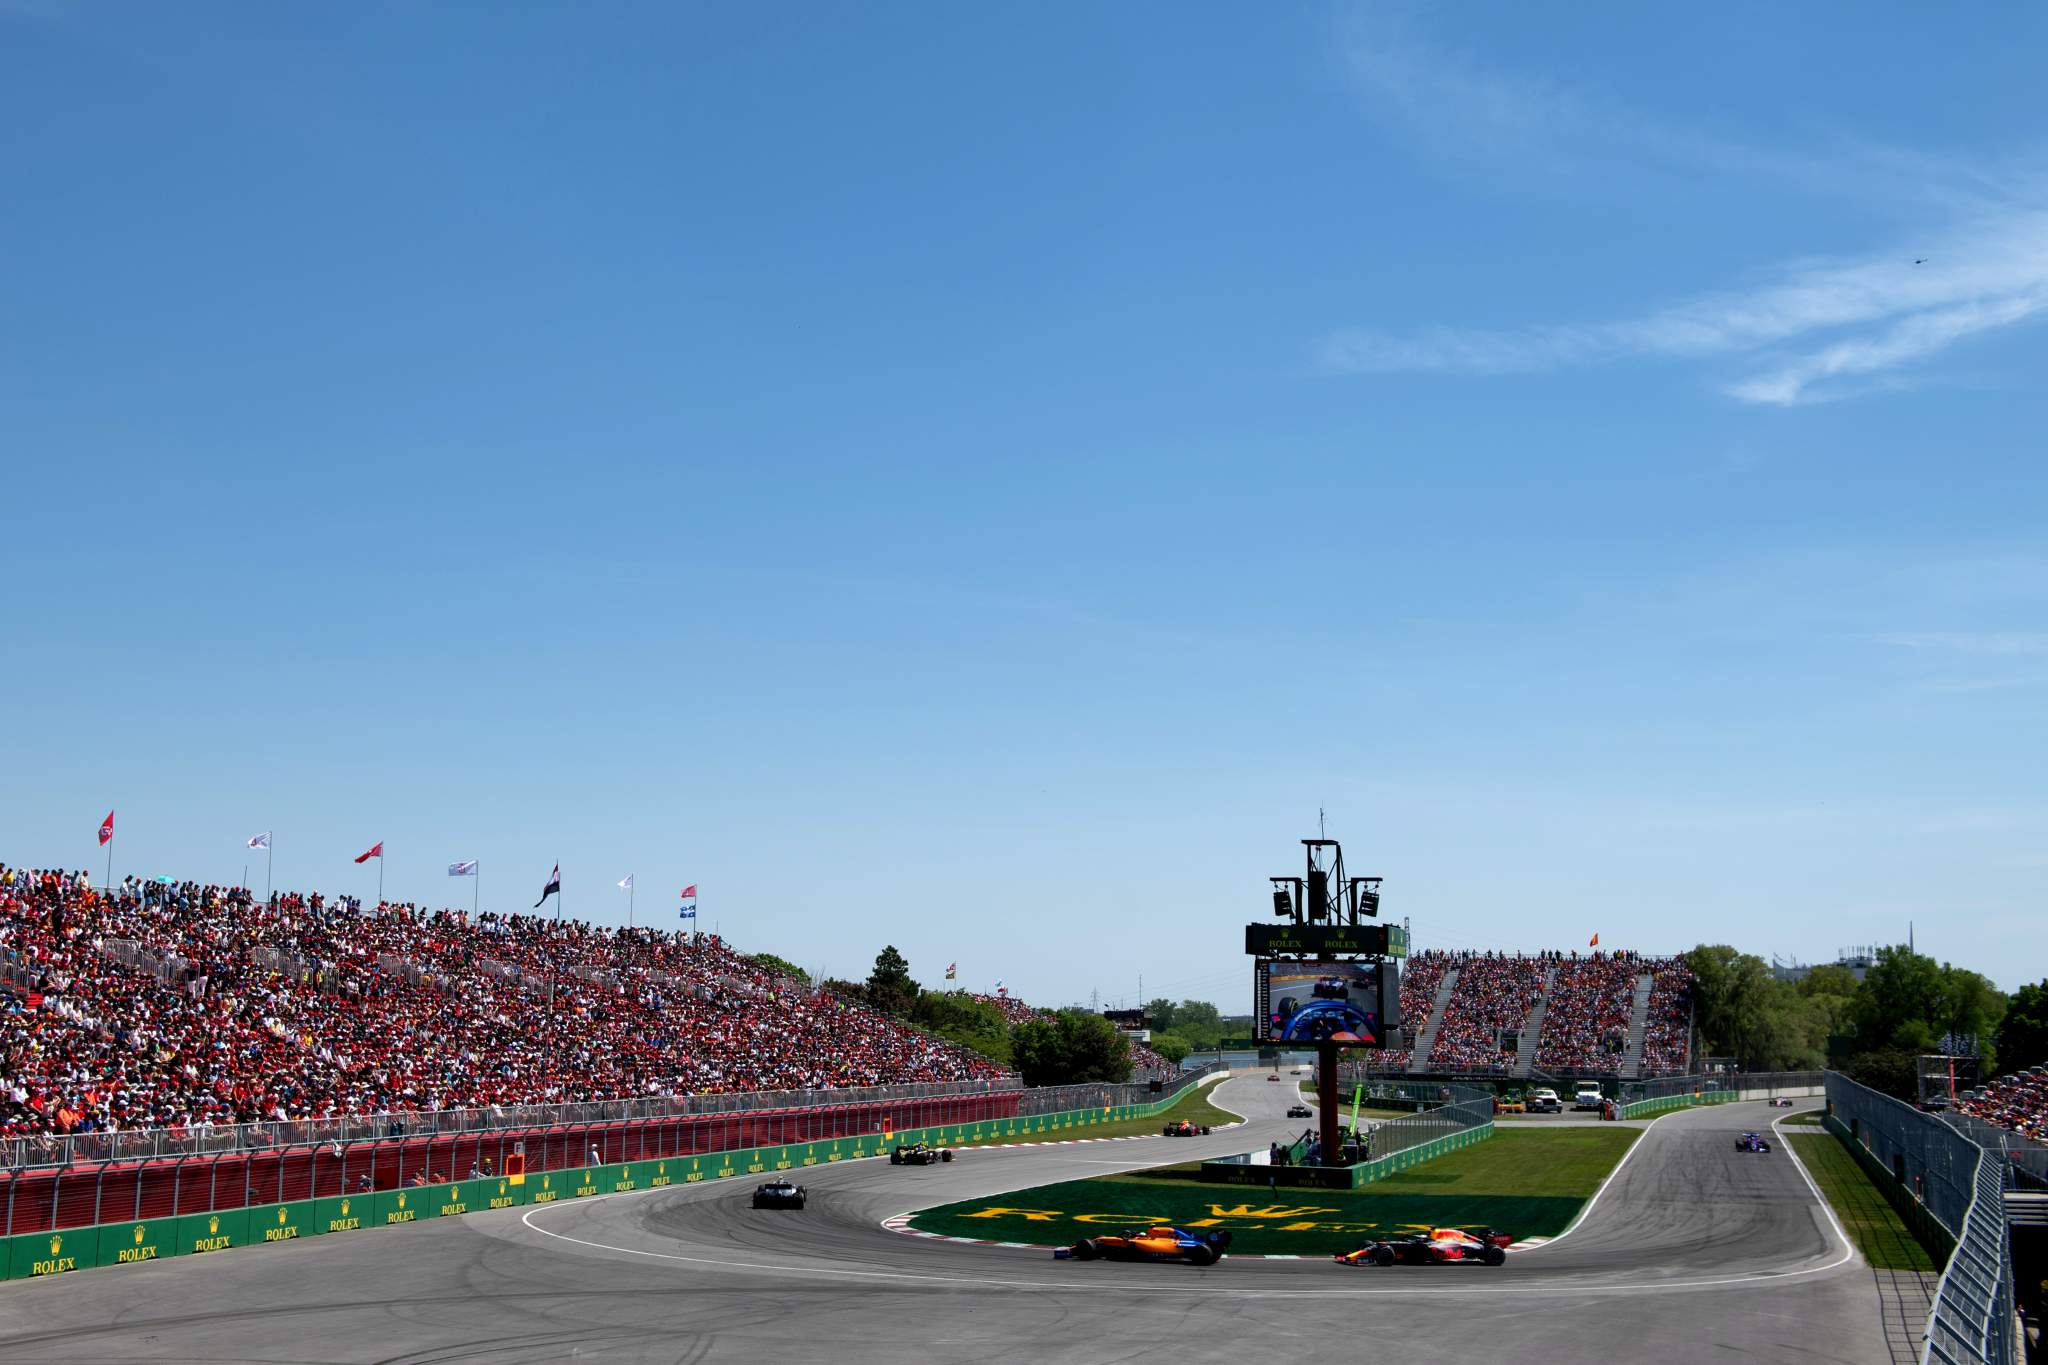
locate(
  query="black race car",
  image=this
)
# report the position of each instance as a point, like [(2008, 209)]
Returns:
[(1300, 1111), (1331, 988), (1781, 1102), (1752, 1142), (779, 1194), (1438, 1246), (918, 1154)]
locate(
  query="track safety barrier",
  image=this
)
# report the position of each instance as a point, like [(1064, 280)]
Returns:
[(57, 1252)]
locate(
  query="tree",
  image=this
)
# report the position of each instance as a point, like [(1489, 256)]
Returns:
[(1161, 1011), (890, 988), (2023, 1034), (1901, 990), (1171, 1046), (972, 1023), (1198, 1022), (783, 966), (1069, 1047)]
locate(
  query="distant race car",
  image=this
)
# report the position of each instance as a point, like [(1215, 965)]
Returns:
[(1781, 1102), (1300, 1111), (779, 1194), (1274, 1077), (1185, 1128), (1151, 1244), (1330, 988), (917, 1154), (1752, 1142), (1438, 1246)]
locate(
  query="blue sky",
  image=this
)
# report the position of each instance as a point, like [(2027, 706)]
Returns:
[(981, 481)]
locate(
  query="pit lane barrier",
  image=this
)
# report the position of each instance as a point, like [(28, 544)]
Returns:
[(59, 1251)]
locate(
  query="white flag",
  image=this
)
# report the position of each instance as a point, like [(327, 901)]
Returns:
[(467, 869), (627, 885), (261, 840)]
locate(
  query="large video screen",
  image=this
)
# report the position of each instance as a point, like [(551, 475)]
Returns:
[(1313, 1002)]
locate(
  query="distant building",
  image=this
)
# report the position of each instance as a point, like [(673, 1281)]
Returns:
[(1859, 960)]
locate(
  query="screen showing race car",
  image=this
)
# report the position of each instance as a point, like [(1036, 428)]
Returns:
[(1310, 1002)]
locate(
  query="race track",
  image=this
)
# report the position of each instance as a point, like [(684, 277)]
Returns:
[(1692, 1252)]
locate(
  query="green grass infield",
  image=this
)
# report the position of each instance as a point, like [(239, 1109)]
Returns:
[(1872, 1224), (1526, 1182)]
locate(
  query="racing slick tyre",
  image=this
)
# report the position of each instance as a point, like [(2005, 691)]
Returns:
[(1086, 1250), (800, 1200), (895, 1158), (1202, 1255), (1494, 1256), (946, 1155), (1382, 1256)]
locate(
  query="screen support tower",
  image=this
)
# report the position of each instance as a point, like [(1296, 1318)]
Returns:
[(1324, 896)]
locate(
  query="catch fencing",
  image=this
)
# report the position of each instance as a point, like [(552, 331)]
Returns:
[(389, 1152), (232, 1214), (1939, 1170), (1461, 1109), (1641, 1099)]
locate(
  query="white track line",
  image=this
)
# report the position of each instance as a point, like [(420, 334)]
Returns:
[(1074, 1286), (1791, 1148)]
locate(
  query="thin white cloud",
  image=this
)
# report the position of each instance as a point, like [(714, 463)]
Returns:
[(1814, 330), (1838, 320), (2006, 642)]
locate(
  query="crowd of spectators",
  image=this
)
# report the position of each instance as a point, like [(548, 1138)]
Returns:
[(1586, 1021), (1667, 1032), (2017, 1101), (178, 1005), (1495, 993)]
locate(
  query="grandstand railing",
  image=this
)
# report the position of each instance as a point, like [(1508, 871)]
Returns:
[(1957, 1175), (154, 1144)]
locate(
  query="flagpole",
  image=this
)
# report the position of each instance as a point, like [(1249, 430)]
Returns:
[(380, 872), (554, 944), (110, 860), (476, 892), (269, 862)]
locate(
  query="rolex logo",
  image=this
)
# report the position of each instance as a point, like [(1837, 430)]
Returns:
[(212, 1227), (344, 1208), (56, 1245), (401, 1199), (280, 1217), (138, 1234)]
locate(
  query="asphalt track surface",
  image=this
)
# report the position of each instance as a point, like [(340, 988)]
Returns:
[(1691, 1252)]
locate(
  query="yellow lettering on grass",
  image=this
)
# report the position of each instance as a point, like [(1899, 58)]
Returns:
[(1029, 1215)]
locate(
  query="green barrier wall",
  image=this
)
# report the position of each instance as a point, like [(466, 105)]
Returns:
[(1665, 1103), (57, 1253)]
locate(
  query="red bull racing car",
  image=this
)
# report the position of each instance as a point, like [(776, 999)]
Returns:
[(1152, 1244), (1183, 1128), (1438, 1246)]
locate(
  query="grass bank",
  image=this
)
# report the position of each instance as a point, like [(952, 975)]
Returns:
[(1530, 1183), (1872, 1224)]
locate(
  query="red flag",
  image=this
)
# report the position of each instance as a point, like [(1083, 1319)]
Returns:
[(690, 892), (1594, 944), (107, 830), (376, 851)]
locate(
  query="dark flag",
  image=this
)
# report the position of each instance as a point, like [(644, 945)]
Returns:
[(553, 888)]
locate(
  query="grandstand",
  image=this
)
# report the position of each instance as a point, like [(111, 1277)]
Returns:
[(2017, 1102), (1614, 1013), (182, 1005)]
